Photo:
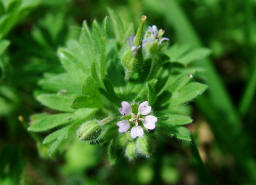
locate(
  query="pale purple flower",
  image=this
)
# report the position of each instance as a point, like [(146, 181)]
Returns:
[(137, 121), (136, 131), (149, 122), (125, 109), (144, 108), (130, 43), (153, 31), (153, 35), (123, 125)]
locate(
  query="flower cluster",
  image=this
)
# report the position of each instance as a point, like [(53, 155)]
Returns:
[(152, 36), (142, 117)]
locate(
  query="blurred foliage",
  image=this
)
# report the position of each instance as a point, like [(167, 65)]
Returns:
[(31, 31)]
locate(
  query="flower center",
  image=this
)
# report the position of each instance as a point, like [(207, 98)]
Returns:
[(135, 118)]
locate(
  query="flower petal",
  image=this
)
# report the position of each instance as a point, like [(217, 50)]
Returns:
[(147, 40), (135, 49), (136, 132), (125, 109), (149, 122), (123, 125), (144, 108), (130, 40), (163, 39)]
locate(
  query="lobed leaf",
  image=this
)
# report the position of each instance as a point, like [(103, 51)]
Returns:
[(177, 120), (86, 101), (188, 93), (60, 102), (61, 82), (70, 63), (195, 55), (181, 133), (47, 122)]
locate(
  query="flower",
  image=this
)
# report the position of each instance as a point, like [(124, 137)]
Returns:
[(136, 120), (153, 35), (130, 42)]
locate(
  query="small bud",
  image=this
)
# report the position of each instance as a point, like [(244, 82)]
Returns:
[(128, 60), (143, 18), (130, 151), (143, 146), (88, 130), (123, 139), (21, 118), (160, 33), (138, 36)]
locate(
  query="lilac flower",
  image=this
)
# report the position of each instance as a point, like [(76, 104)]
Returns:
[(130, 42), (137, 121), (154, 35), (125, 109)]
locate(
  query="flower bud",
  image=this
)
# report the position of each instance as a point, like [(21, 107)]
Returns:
[(88, 130), (132, 55), (129, 60), (153, 40), (130, 151), (138, 36), (143, 146)]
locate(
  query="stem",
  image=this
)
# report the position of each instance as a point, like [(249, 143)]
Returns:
[(248, 26), (250, 88), (107, 120), (203, 174), (33, 135), (248, 93)]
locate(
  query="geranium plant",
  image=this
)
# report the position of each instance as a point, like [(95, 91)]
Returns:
[(119, 88)]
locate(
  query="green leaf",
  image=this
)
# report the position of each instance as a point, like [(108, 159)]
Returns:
[(87, 44), (152, 95), (177, 82), (181, 133), (47, 122), (186, 55), (176, 51), (177, 120), (57, 138), (94, 73), (84, 113), (61, 102), (91, 96), (71, 64), (117, 25), (97, 36), (43, 122), (195, 55), (86, 101), (111, 92), (61, 82), (3, 46), (103, 52), (188, 93), (14, 11), (90, 87)]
